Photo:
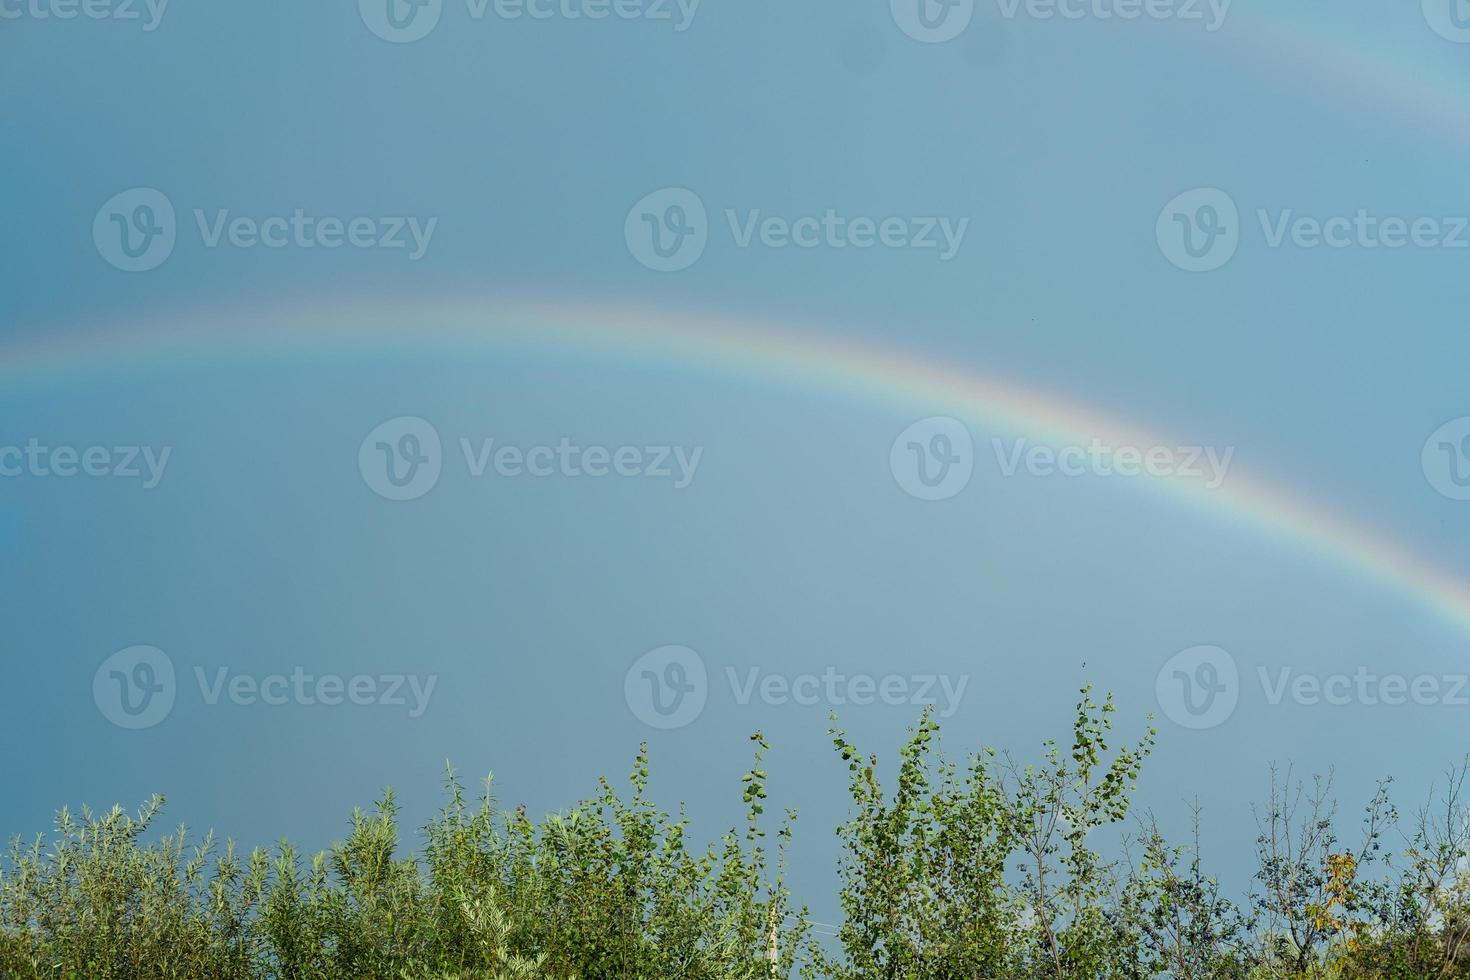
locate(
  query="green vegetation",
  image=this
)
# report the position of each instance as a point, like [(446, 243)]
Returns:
[(980, 869)]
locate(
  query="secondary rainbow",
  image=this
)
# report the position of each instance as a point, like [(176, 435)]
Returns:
[(1423, 81)]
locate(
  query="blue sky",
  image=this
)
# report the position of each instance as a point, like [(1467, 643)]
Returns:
[(795, 548)]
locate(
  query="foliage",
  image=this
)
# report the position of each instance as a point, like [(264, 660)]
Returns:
[(986, 868), (609, 889)]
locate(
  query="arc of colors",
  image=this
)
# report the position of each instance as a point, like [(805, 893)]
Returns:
[(1425, 84), (741, 349)]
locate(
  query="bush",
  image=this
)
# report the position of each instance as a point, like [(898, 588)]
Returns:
[(608, 889), (987, 869)]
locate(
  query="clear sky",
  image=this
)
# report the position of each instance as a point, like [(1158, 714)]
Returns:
[(1239, 230)]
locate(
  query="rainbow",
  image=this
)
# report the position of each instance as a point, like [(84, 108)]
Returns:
[(1426, 85), (798, 358)]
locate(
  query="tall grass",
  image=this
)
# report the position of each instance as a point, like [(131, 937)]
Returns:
[(986, 867)]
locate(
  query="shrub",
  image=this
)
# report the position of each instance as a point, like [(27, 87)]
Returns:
[(988, 868), (607, 890)]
